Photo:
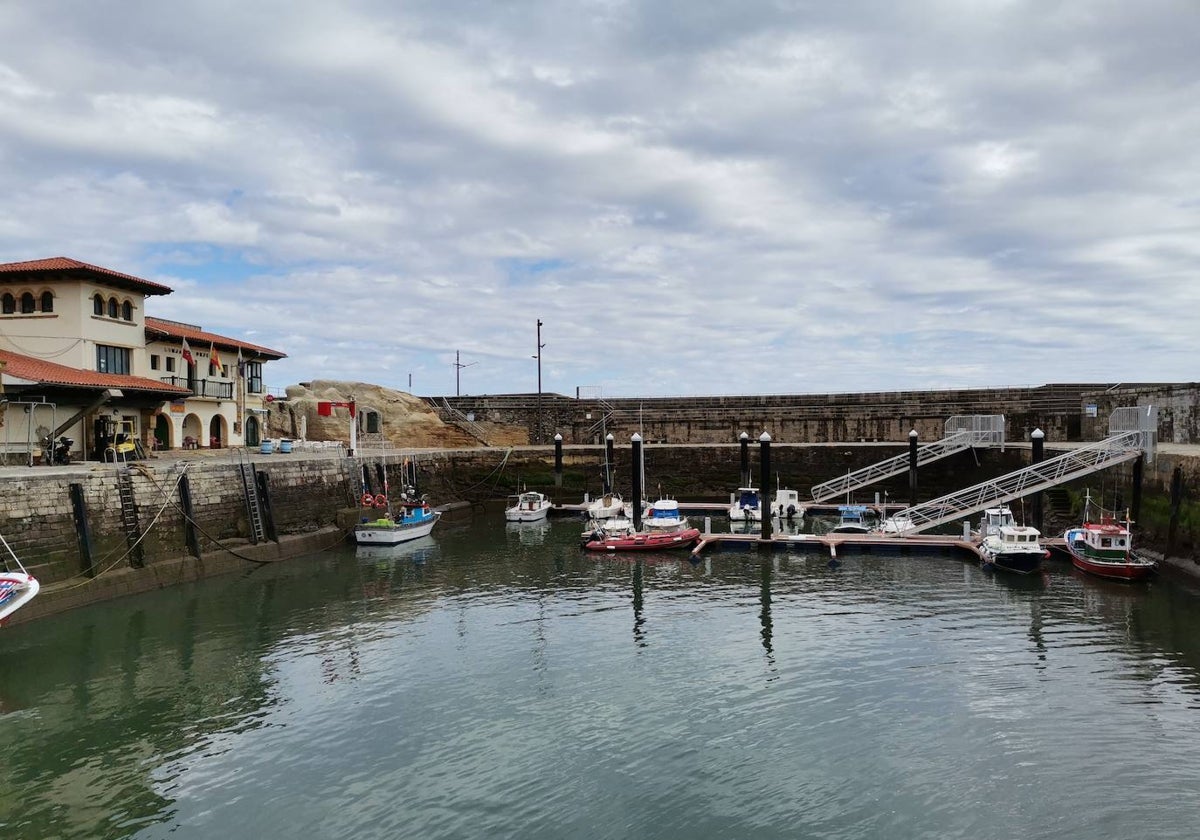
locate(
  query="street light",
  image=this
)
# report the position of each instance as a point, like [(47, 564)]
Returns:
[(458, 366), (538, 356)]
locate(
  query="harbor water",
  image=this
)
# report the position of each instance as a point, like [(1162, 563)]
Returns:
[(496, 681)]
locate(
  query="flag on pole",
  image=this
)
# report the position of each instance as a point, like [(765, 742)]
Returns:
[(214, 359), (187, 353), (241, 363)]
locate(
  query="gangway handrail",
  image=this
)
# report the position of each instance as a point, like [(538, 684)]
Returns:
[(962, 432), (1113, 450)]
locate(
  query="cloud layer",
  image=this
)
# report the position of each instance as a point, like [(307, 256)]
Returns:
[(725, 198)]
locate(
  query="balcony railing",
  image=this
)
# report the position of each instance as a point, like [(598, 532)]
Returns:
[(207, 388)]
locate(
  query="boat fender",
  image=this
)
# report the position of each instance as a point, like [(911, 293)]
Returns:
[(367, 500), (380, 501)]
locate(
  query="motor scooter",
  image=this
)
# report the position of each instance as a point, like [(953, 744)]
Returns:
[(57, 453)]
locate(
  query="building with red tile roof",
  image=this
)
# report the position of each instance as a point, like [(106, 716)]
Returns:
[(78, 350)]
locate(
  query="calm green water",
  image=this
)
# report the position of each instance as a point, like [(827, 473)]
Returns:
[(494, 681)]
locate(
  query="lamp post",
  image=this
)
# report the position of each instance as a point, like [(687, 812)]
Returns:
[(458, 366), (538, 356)]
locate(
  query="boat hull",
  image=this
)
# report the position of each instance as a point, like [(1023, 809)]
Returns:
[(1018, 562), (1136, 570), (535, 515), (376, 533), (1127, 567), (645, 541), (16, 590)]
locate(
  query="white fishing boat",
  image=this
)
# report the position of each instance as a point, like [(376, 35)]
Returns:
[(746, 506), (664, 515), (527, 506), (1014, 548), (17, 588), (786, 504), (415, 520), (605, 507), (852, 520)]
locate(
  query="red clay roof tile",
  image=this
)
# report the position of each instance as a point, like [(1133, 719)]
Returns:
[(49, 373), (65, 264), (199, 338)]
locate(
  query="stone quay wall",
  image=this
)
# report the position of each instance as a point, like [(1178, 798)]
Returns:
[(314, 501), (1071, 412)]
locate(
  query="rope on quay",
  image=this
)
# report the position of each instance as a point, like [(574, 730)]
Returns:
[(497, 471)]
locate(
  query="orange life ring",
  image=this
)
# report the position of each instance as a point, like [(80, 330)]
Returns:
[(367, 500), (380, 501)]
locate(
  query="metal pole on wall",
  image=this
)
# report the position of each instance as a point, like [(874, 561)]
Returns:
[(558, 460), (912, 468), (635, 471), (764, 465), (1038, 440), (538, 430), (745, 440)]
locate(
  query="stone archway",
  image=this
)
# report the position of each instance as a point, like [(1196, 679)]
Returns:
[(253, 431), (162, 432), (218, 435), (193, 431)]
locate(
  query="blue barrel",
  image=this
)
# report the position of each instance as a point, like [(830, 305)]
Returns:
[(266, 448), (285, 446)]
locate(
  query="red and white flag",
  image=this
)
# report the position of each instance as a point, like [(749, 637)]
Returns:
[(325, 409), (187, 353)]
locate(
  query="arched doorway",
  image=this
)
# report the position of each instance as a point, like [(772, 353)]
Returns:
[(216, 432), (192, 431), (253, 438), (162, 432)]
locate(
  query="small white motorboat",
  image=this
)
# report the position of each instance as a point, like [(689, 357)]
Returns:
[(746, 506), (528, 506), (608, 505)]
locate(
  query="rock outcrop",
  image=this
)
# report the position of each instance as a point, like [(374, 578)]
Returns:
[(403, 420)]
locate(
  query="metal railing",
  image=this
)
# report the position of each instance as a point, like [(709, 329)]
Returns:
[(1133, 433), (962, 432), (207, 388), (453, 415)]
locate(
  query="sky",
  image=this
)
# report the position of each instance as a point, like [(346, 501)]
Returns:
[(693, 198)]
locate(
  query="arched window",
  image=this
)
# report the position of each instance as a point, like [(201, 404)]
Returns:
[(8, 304), (98, 305), (47, 301), (127, 311), (113, 309), (27, 303)]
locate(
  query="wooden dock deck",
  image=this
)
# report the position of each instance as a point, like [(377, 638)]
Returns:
[(833, 542)]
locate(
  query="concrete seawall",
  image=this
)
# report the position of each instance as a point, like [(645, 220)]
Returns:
[(313, 499)]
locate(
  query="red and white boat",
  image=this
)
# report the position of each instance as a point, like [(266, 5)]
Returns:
[(610, 539), (1105, 548), (16, 588)]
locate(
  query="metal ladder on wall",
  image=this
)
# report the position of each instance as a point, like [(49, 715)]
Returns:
[(245, 470), (129, 515)]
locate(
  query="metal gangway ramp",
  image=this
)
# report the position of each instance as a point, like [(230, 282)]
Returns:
[(1132, 433), (962, 431)]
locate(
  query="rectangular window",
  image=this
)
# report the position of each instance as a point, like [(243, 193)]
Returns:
[(153, 362), (254, 377), (112, 359), (170, 364)]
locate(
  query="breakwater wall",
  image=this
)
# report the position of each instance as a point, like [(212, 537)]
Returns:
[(1069, 412), (312, 501)]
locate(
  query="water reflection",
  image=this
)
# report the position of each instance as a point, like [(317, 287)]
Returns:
[(433, 695)]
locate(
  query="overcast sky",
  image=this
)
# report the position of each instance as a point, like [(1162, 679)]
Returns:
[(694, 197)]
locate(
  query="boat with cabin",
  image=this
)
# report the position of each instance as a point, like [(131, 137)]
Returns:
[(746, 506), (664, 515), (853, 520), (527, 506), (606, 506), (786, 504), (1104, 547), (411, 520)]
